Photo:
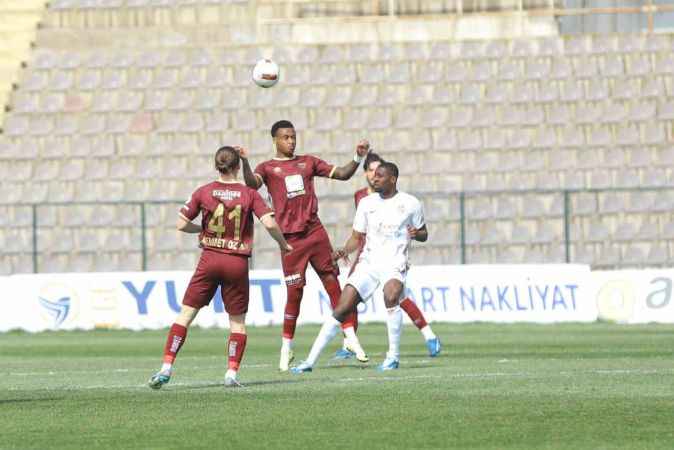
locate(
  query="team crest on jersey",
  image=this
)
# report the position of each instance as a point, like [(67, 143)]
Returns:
[(401, 209), (226, 194), (278, 170)]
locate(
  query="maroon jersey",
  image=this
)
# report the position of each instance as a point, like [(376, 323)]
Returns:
[(361, 194), (290, 183), (226, 216)]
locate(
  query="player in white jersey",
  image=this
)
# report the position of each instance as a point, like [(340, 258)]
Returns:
[(388, 220)]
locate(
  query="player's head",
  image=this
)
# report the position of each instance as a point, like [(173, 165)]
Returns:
[(385, 177), (372, 161), (283, 133), (227, 160)]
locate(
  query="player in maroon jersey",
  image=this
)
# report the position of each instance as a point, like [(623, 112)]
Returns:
[(226, 237), (290, 181), (372, 161)]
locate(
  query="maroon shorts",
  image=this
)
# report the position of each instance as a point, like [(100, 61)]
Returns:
[(312, 246), (226, 270)]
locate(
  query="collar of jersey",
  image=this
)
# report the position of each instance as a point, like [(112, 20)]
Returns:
[(285, 159), (227, 182)]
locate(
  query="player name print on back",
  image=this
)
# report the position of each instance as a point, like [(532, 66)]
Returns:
[(226, 194)]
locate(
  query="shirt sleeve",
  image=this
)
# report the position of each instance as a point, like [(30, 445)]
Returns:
[(360, 221), (322, 169), (260, 208), (418, 219), (260, 171), (192, 206)]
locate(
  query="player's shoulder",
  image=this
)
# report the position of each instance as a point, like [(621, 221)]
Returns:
[(370, 199), (363, 192), (203, 188), (305, 158), (409, 198)]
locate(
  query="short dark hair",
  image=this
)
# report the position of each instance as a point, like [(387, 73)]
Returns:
[(226, 159), (391, 168), (370, 158), (281, 124)]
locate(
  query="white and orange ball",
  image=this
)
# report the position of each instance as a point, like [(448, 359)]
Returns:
[(266, 73)]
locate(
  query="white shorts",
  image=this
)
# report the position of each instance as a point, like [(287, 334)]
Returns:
[(366, 279)]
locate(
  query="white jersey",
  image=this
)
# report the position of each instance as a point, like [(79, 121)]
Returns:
[(385, 222)]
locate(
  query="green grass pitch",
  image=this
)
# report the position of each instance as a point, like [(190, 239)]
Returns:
[(594, 386)]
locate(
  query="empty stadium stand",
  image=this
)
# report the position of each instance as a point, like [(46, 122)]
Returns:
[(498, 137)]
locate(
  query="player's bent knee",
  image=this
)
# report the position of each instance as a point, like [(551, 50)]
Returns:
[(391, 301), (237, 323), (186, 315)]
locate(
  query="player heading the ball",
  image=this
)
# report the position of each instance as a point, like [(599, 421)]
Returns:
[(289, 178)]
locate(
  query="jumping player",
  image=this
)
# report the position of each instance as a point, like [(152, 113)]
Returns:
[(290, 181)]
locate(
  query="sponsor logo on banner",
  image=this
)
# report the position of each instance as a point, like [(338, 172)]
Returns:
[(151, 300), (615, 300), (635, 296), (58, 303)]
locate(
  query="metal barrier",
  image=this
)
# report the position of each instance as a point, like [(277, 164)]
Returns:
[(564, 197)]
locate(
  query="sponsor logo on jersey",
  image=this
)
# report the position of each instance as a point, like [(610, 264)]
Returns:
[(226, 194)]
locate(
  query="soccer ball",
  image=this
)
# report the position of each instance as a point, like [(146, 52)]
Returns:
[(265, 73)]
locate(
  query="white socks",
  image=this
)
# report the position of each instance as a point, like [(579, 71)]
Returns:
[(328, 331), (230, 374), (351, 340), (394, 324), (286, 343), (166, 367), (428, 333)]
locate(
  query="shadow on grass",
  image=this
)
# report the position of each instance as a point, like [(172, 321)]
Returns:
[(28, 400), (246, 384)]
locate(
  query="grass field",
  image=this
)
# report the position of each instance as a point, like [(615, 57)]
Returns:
[(574, 386)]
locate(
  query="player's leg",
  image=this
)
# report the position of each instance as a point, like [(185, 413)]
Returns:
[(418, 319), (393, 290), (198, 294), (328, 271), (294, 270), (348, 302), (236, 345), (235, 297)]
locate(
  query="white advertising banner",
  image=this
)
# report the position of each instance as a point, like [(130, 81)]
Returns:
[(635, 296), (150, 300)]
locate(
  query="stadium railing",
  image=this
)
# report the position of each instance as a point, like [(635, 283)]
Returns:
[(464, 218)]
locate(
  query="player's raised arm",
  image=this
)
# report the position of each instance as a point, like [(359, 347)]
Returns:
[(346, 171), (252, 180), (275, 232)]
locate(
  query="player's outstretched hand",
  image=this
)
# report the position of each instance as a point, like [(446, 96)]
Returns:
[(363, 147), (243, 151), (340, 253)]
